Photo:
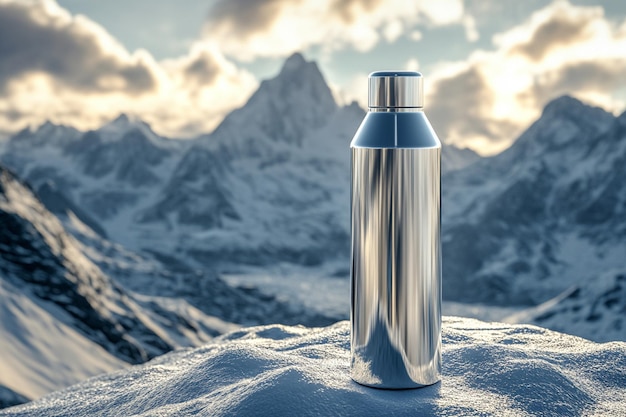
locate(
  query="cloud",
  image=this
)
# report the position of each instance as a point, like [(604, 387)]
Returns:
[(471, 31), (412, 65), (350, 10), (40, 37), (246, 17), (485, 101), (65, 68), (559, 26), (247, 29), (416, 35), (471, 103)]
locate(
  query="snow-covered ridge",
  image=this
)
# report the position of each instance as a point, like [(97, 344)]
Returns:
[(63, 318), (231, 195), (38, 254), (488, 369), (594, 309), (547, 214), (68, 310)]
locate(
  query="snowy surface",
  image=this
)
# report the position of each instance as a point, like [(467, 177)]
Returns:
[(40, 353), (62, 319), (594, 309), (276, 370), (543, 216)]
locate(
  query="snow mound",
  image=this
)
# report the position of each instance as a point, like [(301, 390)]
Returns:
[(488, 368), (594, 309)]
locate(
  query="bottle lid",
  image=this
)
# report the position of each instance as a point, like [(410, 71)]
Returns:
[(396, 89)]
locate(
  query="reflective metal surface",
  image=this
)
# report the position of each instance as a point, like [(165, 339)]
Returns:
[(396, 250), (395, 89), (396, 267)]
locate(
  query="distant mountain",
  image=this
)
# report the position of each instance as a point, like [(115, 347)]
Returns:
[(38, 257), (102, 176), (544, 215), (453, 158), (269, 184), (594, 309), (64, 318)]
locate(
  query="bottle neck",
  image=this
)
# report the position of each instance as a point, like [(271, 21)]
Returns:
[(395, 109)]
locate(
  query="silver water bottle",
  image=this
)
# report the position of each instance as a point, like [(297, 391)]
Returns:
[(396, 248)]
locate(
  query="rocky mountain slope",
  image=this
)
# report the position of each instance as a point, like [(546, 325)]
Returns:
[(270, 185), (65, 318), (594, 309), (38, 254), (546, 214)]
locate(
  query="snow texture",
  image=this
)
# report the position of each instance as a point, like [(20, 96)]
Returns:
[(40, 353), (63, 318), (545, 215), (488, 369), (594, 309)]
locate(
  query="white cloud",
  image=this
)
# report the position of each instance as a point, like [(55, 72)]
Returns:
[(248, 29), (416, 35), (485, 101), (412, 65), (68, 69), (392, 30), (471, 31)]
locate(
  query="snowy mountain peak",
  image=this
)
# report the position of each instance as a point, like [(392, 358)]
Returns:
[(125, 120), (297, 72), (122, 124), (295, 62), (46, 134), (122, 118), (284, 108), (573, 109), (47, 125), (562, 103)]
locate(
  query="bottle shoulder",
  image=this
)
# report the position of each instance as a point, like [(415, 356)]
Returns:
[(395, 130)]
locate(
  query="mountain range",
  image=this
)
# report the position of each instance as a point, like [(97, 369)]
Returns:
[(269, 184), (113, 239), (547, 214), (63, 318)]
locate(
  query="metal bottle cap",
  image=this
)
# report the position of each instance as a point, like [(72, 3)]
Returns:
[(396, 89)]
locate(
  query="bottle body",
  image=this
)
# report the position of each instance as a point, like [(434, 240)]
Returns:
[(396, 251)]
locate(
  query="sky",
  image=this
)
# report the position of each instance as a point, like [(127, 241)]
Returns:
[(489, 66)]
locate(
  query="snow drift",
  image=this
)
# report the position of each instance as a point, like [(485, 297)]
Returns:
[(278, 370)]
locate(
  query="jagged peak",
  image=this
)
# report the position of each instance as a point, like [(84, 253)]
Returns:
[(122, 124), (49, 126), (296, 100), (47, 133), (297, 68), (355, 105), (125, 120), (295, 62), (122, 118), (568, 106)]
